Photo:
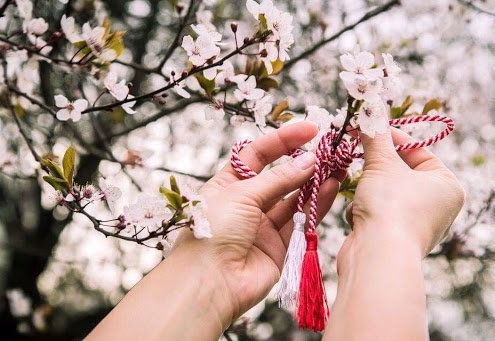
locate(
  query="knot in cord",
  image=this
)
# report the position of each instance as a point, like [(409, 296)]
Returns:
[(331, 158)]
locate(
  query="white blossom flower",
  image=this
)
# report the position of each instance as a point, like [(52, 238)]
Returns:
[(362, 88), (36, 26), (70, 110), (246, 89), (215, 112), (179, 89), (359, 65), (25, 9), (339, 119), (70, 30), (226, 74), (95, 38), (127, 106), (201, 50), (280, 24), (118, 90), (266, 6), (262, 107), (390, 67), (148, 211), (237, 120), (391, 83), (372, 118), (201, 227), (272, 54), (207, 30), (320, 116), (109, 193)]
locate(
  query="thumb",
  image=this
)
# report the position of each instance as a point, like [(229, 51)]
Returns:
[(280, 180), (378, 149)]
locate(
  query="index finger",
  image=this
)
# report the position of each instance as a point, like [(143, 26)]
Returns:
[(417, 159), (268, 148)]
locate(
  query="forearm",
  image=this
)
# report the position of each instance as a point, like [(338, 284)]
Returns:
[(381, 293), (181, 299)]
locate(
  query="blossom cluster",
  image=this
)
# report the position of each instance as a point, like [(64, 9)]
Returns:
[(371, 89)]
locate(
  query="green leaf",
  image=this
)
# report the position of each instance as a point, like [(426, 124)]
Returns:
[(406, 104), (267, 83), (57, 183), (432, 104), (398, 112), (174, 199), (53, 168), (68, 163), (173, 184), (207, 84)]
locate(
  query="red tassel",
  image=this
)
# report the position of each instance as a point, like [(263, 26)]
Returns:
[(312, 308)]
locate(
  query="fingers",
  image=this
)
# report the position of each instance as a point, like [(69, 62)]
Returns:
[(378, 149), (283, 211), (276, 182), (272, 146), (326, 197), (348, 215), (418, 159)]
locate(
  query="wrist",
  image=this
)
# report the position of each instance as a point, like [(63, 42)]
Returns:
[(382, 243), (202, 287)]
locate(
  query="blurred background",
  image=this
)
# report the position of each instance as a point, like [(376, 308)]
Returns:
[(59, 277)]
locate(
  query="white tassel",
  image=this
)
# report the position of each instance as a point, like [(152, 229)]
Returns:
[(291, 274)]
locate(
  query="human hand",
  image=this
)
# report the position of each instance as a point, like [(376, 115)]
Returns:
[(251, 226), (408, 197)]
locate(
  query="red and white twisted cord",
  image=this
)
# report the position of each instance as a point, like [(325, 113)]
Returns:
[(331, 159)]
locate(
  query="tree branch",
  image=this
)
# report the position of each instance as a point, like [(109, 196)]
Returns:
[(320, 44)]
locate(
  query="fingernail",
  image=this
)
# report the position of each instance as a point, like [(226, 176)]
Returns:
[(304, 161)]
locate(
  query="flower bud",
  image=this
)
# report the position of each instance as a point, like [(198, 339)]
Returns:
[(233, 27)]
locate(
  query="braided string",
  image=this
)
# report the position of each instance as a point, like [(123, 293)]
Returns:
[(330, 159)]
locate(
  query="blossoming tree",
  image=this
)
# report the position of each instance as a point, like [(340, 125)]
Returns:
[(114, 112)]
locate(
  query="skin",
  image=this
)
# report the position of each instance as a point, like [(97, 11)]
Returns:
[(204, 285)]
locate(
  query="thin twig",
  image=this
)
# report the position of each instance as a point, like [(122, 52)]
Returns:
[(320, 44), (470, 4)]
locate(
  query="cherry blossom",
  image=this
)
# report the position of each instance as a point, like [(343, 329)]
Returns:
[(372, 118), (70, 110), (95, 38), (359, 65), (201, 227), (109, 193), (36, 26), (262, 107), (246, 88), (201, 50), (226, 74), (127, 106), (266, 6), (214, 112), (118, 90), (207, 30), (70, 30), (148, 211), (391, 82), (361, 88), (320, 116), (179, 89)]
